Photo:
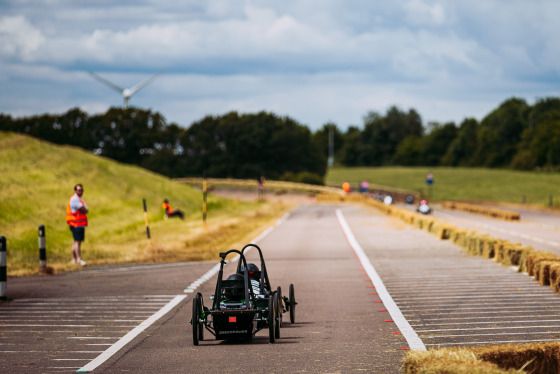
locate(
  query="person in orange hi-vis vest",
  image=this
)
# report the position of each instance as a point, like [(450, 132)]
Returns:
[(170, 212), (76, 217)]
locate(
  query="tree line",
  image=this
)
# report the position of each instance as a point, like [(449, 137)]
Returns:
[(515, 135)]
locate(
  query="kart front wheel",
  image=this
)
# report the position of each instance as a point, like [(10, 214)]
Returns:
[(195, 320), (292, 302)]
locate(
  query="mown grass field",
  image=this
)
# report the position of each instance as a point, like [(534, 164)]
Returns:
[(37, 179), (464, 184)]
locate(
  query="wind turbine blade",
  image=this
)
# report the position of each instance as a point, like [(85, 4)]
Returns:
[(105, 81), (136, 88)]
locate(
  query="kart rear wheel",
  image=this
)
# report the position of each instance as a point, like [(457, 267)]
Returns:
[(293, 303), (277, 319), (280, 305), (271, 318), (195, 318)]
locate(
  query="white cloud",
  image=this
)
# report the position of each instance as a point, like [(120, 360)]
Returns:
[(18, 38), (314, 60)]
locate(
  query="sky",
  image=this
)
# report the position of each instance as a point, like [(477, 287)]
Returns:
[(315, 61)]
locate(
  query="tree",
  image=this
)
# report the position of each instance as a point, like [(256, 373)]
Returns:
[(436, 143), (500, 132), (460, 151)]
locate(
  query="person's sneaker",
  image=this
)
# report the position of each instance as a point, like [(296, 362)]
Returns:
[(74, 261), (82, 262)]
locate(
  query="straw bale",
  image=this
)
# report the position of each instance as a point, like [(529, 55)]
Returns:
[(489, 247), (527, 250), (537, 256), (446, 231), (542, 271), (536, 358), (451, 361), (555, 276)]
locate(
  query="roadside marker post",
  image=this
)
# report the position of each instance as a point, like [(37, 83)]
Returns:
[(146, 220), (3, 268), (42, 249), (204, 193)]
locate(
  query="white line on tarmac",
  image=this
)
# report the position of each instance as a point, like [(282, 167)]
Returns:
[(492, 334), (407, 331), (131, 335), (494, 342), (495, 328), (471, 323)]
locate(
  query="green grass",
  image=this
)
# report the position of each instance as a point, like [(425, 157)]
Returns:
[(464, 184), (37, 179)]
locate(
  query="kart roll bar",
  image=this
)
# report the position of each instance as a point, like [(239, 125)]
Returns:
[(218, 292), (264, 283)]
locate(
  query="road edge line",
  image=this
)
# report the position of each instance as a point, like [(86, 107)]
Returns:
[(407, 331)]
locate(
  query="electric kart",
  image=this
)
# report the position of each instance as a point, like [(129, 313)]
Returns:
[(241, 305)]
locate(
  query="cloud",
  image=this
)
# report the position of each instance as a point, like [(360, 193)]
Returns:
[(314, 60)]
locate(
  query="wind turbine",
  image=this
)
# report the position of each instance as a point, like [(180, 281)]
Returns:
[(126, 92)]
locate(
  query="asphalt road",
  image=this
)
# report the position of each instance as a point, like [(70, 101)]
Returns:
[(68, 322)]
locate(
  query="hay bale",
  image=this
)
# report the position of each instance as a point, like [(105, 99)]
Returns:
[(446, 231), (537, 256), (555, 276), (543, 271), (527, 250), (449, 361), (536, 358), (489, 247)]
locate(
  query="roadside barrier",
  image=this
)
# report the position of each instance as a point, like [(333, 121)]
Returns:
[(3, 268), (42, 249), (477, 209)]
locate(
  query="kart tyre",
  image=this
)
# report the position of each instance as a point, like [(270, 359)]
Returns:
[(292, 304), (271, 319), (195, 319), (277, 316), (280, 305), (201, 324)]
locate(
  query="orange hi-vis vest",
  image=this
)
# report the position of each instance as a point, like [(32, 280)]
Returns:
[(166, 207), (76, 219)]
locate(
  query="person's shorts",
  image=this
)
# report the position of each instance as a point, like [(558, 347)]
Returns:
[(79, 233)]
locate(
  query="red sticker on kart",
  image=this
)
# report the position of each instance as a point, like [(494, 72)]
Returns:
[(233, 319)]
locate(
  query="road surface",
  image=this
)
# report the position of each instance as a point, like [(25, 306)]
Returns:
[(135, 318)]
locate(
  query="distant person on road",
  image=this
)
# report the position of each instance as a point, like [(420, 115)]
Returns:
[(76, 217), (170, 212)]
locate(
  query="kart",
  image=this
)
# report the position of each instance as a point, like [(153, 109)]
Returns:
[(240, 308)]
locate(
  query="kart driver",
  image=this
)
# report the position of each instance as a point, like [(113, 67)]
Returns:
[(254, 276)]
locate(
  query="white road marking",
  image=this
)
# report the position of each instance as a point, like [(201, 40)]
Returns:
[(494, 342), (131, 335), (407, 331)]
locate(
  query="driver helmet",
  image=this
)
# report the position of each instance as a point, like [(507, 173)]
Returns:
[(423, 202), (253, 270)]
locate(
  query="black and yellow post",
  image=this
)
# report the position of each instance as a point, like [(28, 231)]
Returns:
[(42, 250), (3, 268), (146, 220), (204, 193)]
